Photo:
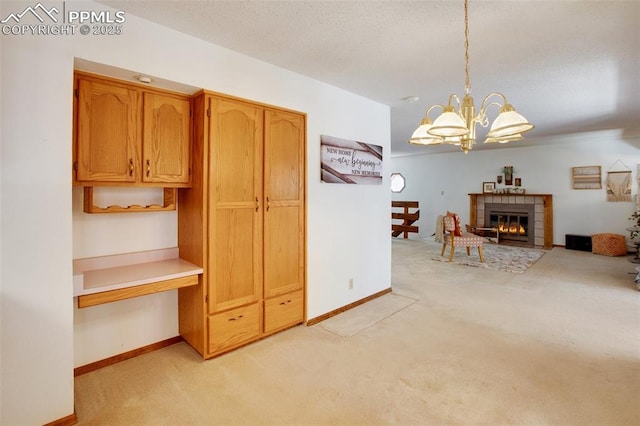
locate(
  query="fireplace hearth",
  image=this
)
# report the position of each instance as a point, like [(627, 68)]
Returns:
[(525, 219)]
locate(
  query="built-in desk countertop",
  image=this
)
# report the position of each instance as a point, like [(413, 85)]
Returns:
[(106, 279)]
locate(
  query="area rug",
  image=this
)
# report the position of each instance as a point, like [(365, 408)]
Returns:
[(364, 316), (498, 257)]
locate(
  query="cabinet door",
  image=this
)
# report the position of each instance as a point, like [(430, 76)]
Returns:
[(166, 139), (108, 133), (284, 202), (235, 210)]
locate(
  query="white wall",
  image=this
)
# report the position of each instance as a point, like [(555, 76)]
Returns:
[(36, 346), (43, 227), (441, 182), (111, 329)]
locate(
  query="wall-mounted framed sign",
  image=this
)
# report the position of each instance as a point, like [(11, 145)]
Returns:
[(587, 177), (345, 161)]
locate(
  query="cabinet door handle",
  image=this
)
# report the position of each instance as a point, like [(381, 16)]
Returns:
[(130, 167), (286, 303), (239, 317), (268, 204), (148, 168), (257, 204)]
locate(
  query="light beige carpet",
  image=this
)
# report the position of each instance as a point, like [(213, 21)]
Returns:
[(556, 345), (364, 316)]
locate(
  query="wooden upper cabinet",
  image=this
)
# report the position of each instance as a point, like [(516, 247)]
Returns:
[(284, 198), (128, 135), (166, 139), (107, 133)]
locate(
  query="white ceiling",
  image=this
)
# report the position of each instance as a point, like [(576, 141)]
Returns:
[(568, 66)]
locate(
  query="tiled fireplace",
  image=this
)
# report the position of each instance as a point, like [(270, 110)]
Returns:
[(523, 218), (515, 222)]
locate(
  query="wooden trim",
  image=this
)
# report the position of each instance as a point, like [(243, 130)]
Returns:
[(305, 209), (69, 420), (316, 320), (135, 291), (473, 211), (78, 371)]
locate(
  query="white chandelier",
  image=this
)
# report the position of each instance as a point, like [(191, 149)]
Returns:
[(459, 127)]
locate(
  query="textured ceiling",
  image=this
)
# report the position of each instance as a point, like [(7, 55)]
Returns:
[(568, 66)]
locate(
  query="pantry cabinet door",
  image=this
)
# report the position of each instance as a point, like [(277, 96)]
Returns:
[(284, 156), (235, 208)]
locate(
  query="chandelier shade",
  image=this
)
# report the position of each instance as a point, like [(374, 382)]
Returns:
[(508, 123), (449, 124), (421, 135), (458, 127)]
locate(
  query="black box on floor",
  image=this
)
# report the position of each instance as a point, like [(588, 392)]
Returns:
[(577, 242)]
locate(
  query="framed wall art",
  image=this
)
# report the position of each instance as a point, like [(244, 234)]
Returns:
[(619, 186), (488, 187), (587, 177)]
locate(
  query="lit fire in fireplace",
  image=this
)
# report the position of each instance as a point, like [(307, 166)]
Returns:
[(513, 228)]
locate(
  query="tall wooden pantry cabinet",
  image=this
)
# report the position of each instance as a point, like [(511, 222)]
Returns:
[(243, 220)]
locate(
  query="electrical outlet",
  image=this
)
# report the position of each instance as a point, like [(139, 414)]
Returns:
[(350, 283)]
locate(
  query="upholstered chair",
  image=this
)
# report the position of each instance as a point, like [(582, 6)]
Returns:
[(463, 239)]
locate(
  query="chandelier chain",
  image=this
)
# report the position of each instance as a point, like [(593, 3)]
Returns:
[(466, 46)]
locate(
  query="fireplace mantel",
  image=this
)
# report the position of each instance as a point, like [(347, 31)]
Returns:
[(543, 207)]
